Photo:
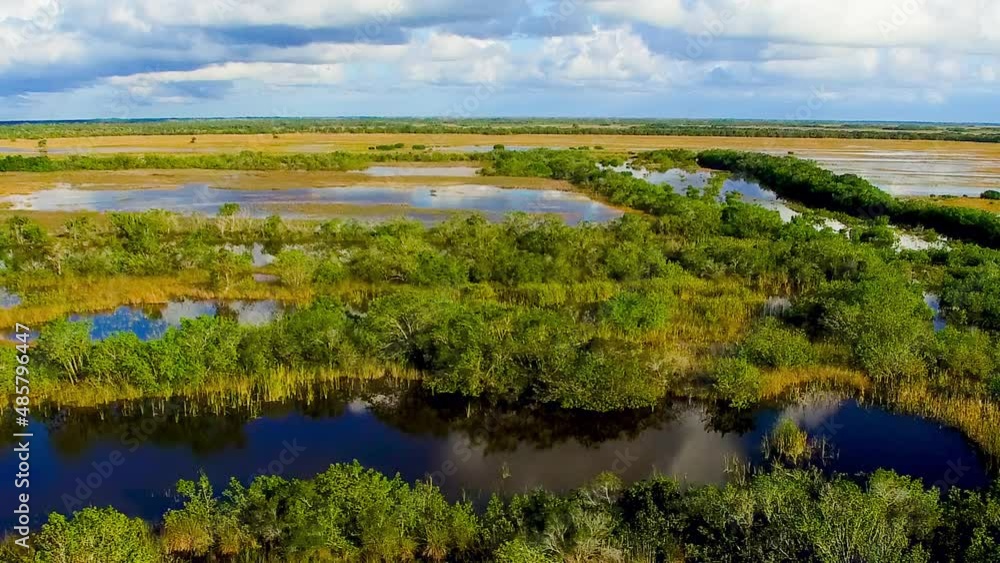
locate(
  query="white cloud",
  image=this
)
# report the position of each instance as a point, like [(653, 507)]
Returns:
[(963, 25), (604, 56), (279, 74)]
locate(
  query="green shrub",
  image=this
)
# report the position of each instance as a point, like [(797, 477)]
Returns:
[(788, 442), (772, 344), (633, 312), (990, 194), (519, 551), (737, 381), (994, 386), (95, 534)]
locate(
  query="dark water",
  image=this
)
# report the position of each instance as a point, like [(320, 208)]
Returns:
[(495, 202), (469, 449)]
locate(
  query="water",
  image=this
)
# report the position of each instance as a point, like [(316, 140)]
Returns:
[(680, 180), (493, 201), (912, 173), (8, 300), (934, 302), (259, 256), (150, 322), (449, 171), (469, 449), (909, 242)]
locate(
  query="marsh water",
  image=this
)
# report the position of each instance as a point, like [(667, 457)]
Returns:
[(470, 449), (417, 201), (440, 171), (912, 173), (680, 181), (151, 321)]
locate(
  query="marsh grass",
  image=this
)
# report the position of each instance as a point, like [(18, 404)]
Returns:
[(780, 382), (978, 418), (280, 384)]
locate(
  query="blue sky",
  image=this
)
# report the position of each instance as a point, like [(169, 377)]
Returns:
[(925, 60)]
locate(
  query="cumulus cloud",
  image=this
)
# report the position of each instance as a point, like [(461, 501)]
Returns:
[(188, 52), (965, 25)]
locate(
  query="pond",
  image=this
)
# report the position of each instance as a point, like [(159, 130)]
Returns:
[(681, 180), (470, 449), (493, 201), (150, 322)]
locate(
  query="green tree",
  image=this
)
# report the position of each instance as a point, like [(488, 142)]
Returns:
[(228, 268), (95, 534), (67, 345), (737, 381)]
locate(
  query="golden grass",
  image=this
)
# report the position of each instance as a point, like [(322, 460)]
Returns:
[(966, 202), (777, 383), (320, 142), (277, 385)]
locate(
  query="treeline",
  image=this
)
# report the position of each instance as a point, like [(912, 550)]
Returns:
[(805, 181), (720, 128), (349, 513), (244, 160)]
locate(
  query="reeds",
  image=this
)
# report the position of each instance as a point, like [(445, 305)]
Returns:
[(977, 417)]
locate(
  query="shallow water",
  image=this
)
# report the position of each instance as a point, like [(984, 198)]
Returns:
[(912, 173), (8, 300), (934, 302), (493, 201), (258, 255), (910, 242), (449, 171), (468, 449), (681, 180), (150, 322)]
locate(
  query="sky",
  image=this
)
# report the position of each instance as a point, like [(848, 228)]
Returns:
[(914, 60)]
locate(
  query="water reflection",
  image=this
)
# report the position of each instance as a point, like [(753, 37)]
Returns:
[(493, 201), (449, 171), (934, 302), (680, 181), (470, 449), (150, 322), (911, 173)]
